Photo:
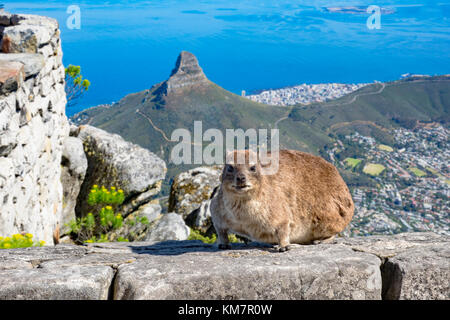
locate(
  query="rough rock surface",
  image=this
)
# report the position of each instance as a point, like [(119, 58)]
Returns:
[(417, 267), (74, 165), (11, 76), (169, 227), (187, 72), (190, 196), (138, 231), (189, 189), (33, 125), (305, 273), (25, 38), (33, 63), (5, 18), (80, 283), (418, 273), (112, 161), (200, 219)]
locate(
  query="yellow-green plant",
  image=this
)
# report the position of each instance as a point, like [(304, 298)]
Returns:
[(104, 196), (75, 85), (94, 227), (19, 241), (132, 221), (196, 235)]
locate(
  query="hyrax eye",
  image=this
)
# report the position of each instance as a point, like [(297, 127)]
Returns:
[(230, 168), (253, 168)]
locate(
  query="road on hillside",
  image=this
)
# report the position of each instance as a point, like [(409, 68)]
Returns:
[(383, 85), (163, 134)]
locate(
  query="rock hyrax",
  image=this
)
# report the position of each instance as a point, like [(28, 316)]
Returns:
[(304, 201)]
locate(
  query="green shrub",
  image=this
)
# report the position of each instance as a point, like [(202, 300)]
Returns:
[(19, 241), (95, 227), (196, 235), (104, 196), (75, 85)]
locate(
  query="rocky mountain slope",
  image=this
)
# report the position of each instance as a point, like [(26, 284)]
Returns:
[(149, 117), (382, 105)]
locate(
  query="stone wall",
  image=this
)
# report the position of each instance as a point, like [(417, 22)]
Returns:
[(33, 125), (404, 266)]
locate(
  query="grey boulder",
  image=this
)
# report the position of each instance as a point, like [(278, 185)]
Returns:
[(24, 38), (112, 161), (169, 227), (189, 189), (190, 196), (74, 165)]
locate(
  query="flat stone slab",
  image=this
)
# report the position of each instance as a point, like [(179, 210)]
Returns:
[(389, 246), (404, 266), (144, 249), (33, 62), (11, 76), (70, 283), (415, 265), (96, 259), (37, 255), (418, 274), (15, 264), (326, 272)]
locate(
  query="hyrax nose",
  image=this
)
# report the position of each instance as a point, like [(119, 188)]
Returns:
[(240, 179)]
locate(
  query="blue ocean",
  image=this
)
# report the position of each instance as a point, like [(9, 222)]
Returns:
[(127, 46)]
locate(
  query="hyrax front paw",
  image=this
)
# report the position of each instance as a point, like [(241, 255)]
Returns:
[(283, 249), (224, 246)]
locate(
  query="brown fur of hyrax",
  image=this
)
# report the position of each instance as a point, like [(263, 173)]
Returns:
[(306, 200)]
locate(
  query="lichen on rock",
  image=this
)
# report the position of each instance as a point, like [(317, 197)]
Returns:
[(189, 189), (112, 161), (190, 196)]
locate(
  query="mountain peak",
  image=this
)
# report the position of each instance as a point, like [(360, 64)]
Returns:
[(187, 72)]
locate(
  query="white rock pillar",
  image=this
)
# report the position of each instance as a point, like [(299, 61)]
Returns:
[(33, 125)]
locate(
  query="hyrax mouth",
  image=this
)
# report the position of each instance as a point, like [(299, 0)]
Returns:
[(242, 187)]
